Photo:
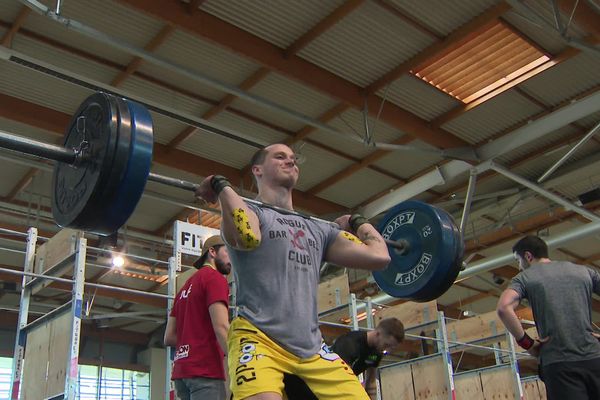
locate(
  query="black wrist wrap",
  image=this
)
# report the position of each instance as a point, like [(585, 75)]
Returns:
[(356, 220), (218, 183)]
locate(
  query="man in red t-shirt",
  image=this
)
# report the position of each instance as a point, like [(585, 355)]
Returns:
[(198, 326)]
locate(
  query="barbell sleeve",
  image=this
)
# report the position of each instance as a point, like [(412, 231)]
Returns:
[(36, 148)]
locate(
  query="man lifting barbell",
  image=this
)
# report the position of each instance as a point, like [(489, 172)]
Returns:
[(104, 164), (277, 258)]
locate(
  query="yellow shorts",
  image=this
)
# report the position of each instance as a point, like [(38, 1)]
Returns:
[(257, 364)]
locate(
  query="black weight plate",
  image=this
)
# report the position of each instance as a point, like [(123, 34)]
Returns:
[(423, 270), (78, 189), (102, 202), (456, 265)]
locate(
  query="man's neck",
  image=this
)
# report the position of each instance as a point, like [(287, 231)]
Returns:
[(210, 264), (541, 261), (278, 196), (371, 338)]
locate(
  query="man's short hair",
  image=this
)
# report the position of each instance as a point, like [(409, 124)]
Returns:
[(392, 327), (533, 244), (258, 157)]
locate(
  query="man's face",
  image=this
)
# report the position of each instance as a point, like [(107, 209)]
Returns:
[(385, 343), (222, 261), (280, 166)]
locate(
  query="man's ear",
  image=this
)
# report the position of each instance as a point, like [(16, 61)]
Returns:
[(256, 170)]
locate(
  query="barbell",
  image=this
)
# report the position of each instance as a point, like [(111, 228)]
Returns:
[(104, 164)]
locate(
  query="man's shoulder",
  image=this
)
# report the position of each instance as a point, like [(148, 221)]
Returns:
[(350, 338)]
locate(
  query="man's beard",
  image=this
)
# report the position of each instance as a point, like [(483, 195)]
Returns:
[(222, 267)]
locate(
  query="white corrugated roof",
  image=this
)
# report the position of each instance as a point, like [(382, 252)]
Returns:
[(358, 187), (119, 25), (38, 88), (319, 164), (566, 79), (207, 59), (253, 131), (371, 41), (352, 124), (447, 16), (408, 163), (287, 93), (64, 59), (276, 21), (492, 117), (146, 91), (418, 97), (548, 40)]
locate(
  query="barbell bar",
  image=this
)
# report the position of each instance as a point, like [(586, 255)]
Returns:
[(76, 157), (104, 164), (399, 245)]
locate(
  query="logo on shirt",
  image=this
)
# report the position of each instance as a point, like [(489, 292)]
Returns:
[(182, 351), (296, 238), (185, 293)]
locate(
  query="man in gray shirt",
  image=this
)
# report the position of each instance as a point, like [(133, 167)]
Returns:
[(276, 255), (560, 295)]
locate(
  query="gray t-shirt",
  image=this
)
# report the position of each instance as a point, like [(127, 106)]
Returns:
[(560, 295), (277, 282)]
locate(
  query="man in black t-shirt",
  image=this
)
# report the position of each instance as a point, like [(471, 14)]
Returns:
[(361, 350)]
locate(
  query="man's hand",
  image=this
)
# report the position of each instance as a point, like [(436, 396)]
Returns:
[(344, 222), (205, 191), (596, 335), (537, 346)]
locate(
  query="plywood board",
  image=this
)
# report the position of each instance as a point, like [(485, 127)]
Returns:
[(530, 390), (430, 379), (410, 313), (52, 253), (542, 389), (476, 328), (46, 355), (36, 363), (396, 382), (498, 383), (58, 354), (55, 250), (326, 299), (468, 386)]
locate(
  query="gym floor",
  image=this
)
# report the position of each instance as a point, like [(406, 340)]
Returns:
[(484, 77)]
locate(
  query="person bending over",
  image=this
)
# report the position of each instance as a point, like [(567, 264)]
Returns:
[(362, 351)]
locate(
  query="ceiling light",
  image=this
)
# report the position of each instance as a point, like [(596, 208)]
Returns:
[(118, 261)]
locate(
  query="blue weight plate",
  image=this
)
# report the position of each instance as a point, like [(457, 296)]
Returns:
[(133, 177), (421, 272)]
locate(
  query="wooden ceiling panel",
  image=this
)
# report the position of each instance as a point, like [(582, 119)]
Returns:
[(493, 57)]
